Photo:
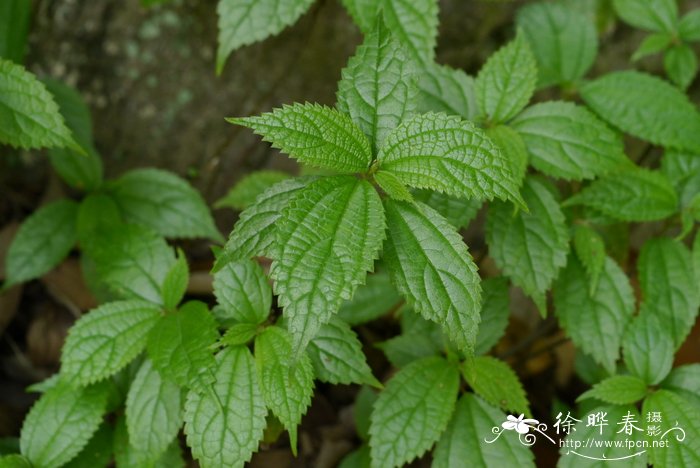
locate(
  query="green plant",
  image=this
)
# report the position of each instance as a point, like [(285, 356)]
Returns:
[(406, 159)]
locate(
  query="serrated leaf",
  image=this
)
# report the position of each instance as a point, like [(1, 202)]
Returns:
[(18, 461), (42, 241), (242, 22), (180, 346), (287, 384), (563, 41), (127, 456), (378, 88), (30, 116), (617, 390), (448, 90), (415, 23), (164, 202), (223, 426), (14, 22), (153, 411), (676, 411), (107, 339), (646, 107), (590, 249), (328, 238), (315, 135), (495, 312), (681, 65), (595, 322), (336, 355), (669, 287), (567, 141), (683, 170), (652, 15), (243, 292), (131, 260), (652, 44), (606, 446), (696, 258), (689, 27), (175, 282), (97, 212), (249, 188), (685, 381), (494, 381), (61, 423), (82, 171), (363, 12), (254, 233), (392, 186), (372, 300), (97, 452), (648, 349), (459, 212), (531, 247), (406, 348), (507, 81), (431, 266), (412, 411), (471, 424), (631, 194), (239, 334), (512, 147), (362, 411), (450, 155)]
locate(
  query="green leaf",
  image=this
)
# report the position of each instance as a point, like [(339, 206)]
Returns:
[(603, 443), (126, 455), (175, 282), (685, 381), (164, 202), (565, 42), (683, 170), (696, 258), (651, 15), (328, 238), (445, 89), (648, 349), (652, 44), (459, 212), (97, 452), (450, 155), (42, 242), (681, 65), (412, 411), (595, 322), (287, 384), (242, 22), (224, 426), (14, 22), (359, 458), (131, 260), (392, 186), (676, 411), (567, 141), (97, 213), (507, 81), (18, 461), (617, 390), (415, 24), (689, 27), (494, 381), (180, 346), (590, 249), (378, 88), (247, 190), (372, 300), (431, 266), (646, 107), (632, 194), (243, 291), (30, 116), (531, 247), (82, 171), (513, 147), (61, 423), (471, 424), (153, 411), (336, 355), (669, 287), (313, 134), (362, 411), (255, 231), (239, 334), (403, 349), (363, 13), (495, 312), (107, 339)]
